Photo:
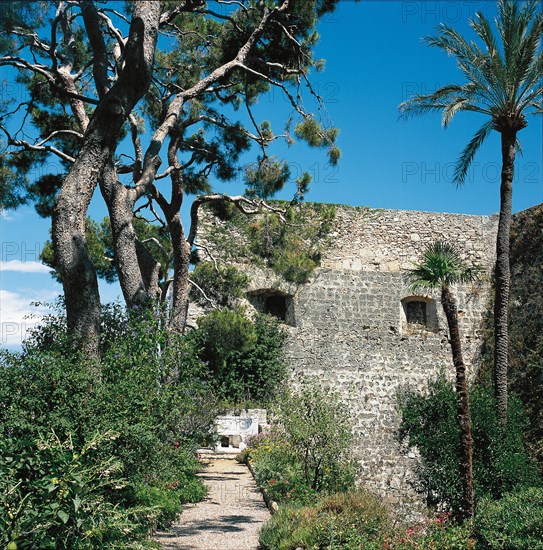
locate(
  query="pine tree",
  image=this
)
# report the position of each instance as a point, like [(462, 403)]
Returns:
[(114, 94)]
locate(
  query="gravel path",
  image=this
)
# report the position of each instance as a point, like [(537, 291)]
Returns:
[(229, 518)]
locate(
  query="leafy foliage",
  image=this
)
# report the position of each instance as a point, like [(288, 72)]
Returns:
[(318, 429), (58, 495), (308, 452), (278, 469), (526, 321), (442, 266), (152, 396), (515, 521), (345, 521), (245, 357), (500, 461)]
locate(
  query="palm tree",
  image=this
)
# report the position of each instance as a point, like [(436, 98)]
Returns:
[(441, 268), (503, 82)]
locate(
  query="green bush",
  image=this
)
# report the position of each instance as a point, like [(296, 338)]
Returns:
[(149, 388), (440, 533), (54, 494), (318, 431), (513, 522), (348, 521), (500, 460), (164, 502), (245, 357), (311, 451), (278, 469)]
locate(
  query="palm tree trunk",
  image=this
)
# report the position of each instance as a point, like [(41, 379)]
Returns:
[(462, 403), (502, 274)]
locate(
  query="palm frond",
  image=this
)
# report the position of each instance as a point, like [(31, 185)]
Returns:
[(492, 65), (450, 40), (479, 68), (441, 266), (532, 79), (458, 104), (512, 24), (439, 100), (527, 53), (518, 147), (420, 105), (466, 158), (483, 82), (503, 74)]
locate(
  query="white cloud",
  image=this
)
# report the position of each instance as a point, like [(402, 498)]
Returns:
[(18, 316), (6, 216), (24, 267)]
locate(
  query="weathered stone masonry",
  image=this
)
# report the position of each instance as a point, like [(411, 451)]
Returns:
[(352, 328)]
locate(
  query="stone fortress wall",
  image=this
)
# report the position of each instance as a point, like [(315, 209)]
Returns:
[(354, 327)]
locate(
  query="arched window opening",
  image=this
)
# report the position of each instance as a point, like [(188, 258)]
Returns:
[(419, 314), (274, 303), (415, 313)]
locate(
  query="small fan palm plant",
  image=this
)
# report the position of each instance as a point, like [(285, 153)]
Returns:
[(504, 82), (442, 268)]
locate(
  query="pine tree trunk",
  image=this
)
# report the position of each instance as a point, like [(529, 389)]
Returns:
[(180, 247), (78, 274), (181, 263), (150, 272), (137, 271), (502, 275), (462, 404), (99, 144)]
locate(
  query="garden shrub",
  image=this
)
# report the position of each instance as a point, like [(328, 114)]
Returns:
[(349, 521), (357, 520), (150, 390), (308, 452), (513, 522), (500, 461), (245, 357), (439, 533), (54, 494), (318, 430), (278, 469)]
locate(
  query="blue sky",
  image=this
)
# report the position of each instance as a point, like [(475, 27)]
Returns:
[(375, 60)]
